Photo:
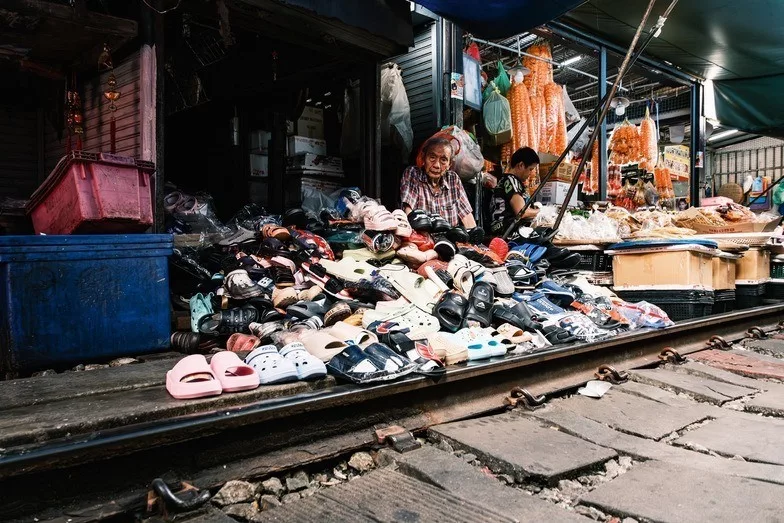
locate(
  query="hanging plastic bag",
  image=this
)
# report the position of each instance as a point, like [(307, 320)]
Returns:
[(501, 80), (395, 112), (468, 159), (497, 117)]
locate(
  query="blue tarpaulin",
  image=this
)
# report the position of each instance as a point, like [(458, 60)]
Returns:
[(499, 18)]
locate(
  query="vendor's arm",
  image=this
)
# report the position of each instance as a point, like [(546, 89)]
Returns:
[(518, 202), (464, 209), (408, 197)]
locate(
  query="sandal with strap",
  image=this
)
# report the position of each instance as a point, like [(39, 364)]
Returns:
[(229, 321), (308, 366)]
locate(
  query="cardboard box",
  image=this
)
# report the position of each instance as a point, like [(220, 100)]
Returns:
[(554, 193), (259, 165), (259, 142), (564, 173), (724, 269), (311, 123), (753, 266), (692, 269), (302, 145), (315, 162)]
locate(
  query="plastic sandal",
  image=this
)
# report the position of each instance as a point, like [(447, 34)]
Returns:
[(239, 342), (200, 306), (504, 286), (352, 334), (480, 304), (418, 351), (411, 317), (422, 240), (420, 291), (457, 235), (515, 334), (365, 255), (557, 294), (271, 366), (411, 254), (331, 286), (263, 331), (282, 276), (439, 224), (449, 349), (446, 250), (338, 312), (353, 365), (192, 377), (377, 241), (403, 229), (518, 316), (232, 373), (380, 220), (322, 345), (239, 285), (388, 360), (308, 366), (229, 321), (500, 247), (284, 297), (349, 269), (440, 277), (377, 290), (306, 309), (450, 311), (272, 230)]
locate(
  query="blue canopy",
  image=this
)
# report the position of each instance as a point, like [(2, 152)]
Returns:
[(499, 18)]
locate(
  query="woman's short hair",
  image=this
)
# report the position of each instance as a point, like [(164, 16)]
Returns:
[(437, 141)]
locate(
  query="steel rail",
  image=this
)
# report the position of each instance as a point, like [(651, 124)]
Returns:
[(639, 347)]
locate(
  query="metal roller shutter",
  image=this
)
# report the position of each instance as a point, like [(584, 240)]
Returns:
[(95, 108), (418, 71), (18, 152)]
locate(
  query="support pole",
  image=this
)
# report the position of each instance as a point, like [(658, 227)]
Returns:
[(603, 181), (697, 144)]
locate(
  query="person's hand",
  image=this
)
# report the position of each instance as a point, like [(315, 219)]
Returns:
[(489, 181)]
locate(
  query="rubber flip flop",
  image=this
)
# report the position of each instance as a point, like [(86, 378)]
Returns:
[(192, 377), (232, 373), (239, 342), (349, 269), (418, 290), (308, 366), (352, 334), (272, 230), (270, 366)]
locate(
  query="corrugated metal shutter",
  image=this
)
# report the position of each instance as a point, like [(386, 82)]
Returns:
[(418, 76), (97, 116), (18, 152)]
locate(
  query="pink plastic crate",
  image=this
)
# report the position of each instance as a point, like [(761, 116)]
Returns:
[(94, 193)]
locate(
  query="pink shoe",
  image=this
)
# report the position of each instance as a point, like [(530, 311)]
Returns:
[(232, 373), (192, 377)]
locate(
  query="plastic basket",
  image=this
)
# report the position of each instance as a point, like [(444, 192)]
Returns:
[(723, 301), (595, 261), (749, 296), (679, 304), (94, 193)]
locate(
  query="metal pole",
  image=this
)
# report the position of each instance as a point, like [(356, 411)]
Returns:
[(696, 143), (603, 179), (603, 114)]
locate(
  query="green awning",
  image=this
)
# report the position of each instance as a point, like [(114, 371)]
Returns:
[(737, 44)]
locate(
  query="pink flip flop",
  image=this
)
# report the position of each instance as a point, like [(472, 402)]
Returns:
[(232, 373), (191, 378)]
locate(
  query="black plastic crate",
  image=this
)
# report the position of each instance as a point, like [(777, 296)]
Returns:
[(595, 261), (749, 296), (777, 269), (774, 290), (723, 301), (679, 304)]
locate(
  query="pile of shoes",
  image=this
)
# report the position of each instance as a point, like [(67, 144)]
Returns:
[(368, 295)]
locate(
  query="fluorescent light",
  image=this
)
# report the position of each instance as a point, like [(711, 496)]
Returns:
[(723, 134), (572, 60)]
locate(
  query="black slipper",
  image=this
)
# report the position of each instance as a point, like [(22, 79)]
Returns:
[(480, 304), (476, 235), (518, 316), (446, 250), (438, 224), (450, 311), (457, 235), (306, 309), (229, 321), (420, 221)]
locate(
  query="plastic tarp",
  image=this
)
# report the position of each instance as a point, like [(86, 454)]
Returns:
[(499, 18), (754, 105)]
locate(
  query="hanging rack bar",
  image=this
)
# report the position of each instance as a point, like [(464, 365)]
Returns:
[(551, 62)]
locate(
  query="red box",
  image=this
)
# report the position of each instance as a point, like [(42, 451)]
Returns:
[(94, 193)]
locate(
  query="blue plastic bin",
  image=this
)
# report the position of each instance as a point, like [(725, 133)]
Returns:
[(75, 299)]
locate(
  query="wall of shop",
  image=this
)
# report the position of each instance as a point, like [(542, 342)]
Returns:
[(419, 76), (19, 151), (97, 116), (732, 164)]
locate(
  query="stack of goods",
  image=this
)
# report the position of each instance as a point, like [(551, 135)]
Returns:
[(676, 275), (625, 144), (368, 296), (649, 143), (663, 181)]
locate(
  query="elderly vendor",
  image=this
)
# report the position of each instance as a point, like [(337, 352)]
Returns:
[(435, 188)]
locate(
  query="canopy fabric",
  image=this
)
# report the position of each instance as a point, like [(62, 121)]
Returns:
[(499, 18), (738, 45)]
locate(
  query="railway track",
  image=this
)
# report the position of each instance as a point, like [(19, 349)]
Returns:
[(108, 474)]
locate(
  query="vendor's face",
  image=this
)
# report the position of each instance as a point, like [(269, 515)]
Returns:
[(437, 162), (523, 172)]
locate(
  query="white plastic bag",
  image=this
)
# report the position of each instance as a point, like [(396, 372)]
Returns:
[(395, 112), (497, 117)]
